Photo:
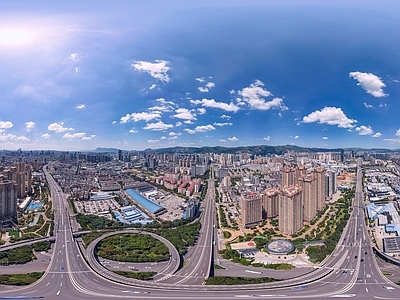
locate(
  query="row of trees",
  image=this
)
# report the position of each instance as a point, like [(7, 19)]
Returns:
[(133, 248), (20, 279), (181, 237), (136, 275), (335, 227), (20, 255), (224, 280), (93, 222)]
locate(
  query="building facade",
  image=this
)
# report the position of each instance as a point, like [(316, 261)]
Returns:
[(290, 210)]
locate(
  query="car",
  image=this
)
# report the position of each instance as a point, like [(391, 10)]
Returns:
[(355, 257), (344, 272), (366, 252), (362, 259), (62, 268), (388, 287), (368, 275), (359, 279), (301, 287)]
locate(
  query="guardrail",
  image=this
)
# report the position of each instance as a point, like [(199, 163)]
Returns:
[(26, 242), (386, 257)]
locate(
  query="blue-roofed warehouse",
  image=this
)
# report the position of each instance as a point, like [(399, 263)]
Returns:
[(146, 204)]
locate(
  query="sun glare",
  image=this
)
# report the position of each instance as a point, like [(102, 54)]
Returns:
[(16, 36)]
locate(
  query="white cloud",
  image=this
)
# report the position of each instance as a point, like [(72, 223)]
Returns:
[(223, 124), (203, 128), (22, 138), (5, 137), (254, 96), (58, 127), (6, 124), (125, 119), (212, 103), (396, 140), (296, 137), (74, 135), (324, 137), (88, 137), (225, 117), (203, 89), (163, 138), (160, 108), (233, 139), (75, 57), (142, 116), (364, 130), (153, 86), (153, 141), (185, 114), (376, 135), (29, 91), (80, 106), (114, 122), (267, 138), (222, 140), (29, 125), (132, 131), (371, 83), (158, 126), (368, 105), (188, 122), (178, 124), (330, 116), (210, 85), (207, 87), (201, 111), (200, 79), (174, 134), (45, 136), (157, 69), (163, 101)]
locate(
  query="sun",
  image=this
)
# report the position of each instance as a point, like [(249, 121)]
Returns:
[(16, 36)]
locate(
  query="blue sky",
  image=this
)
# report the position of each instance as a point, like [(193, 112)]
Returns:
[(135, 75)]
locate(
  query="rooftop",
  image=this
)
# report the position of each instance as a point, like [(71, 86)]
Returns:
[(149, 205)]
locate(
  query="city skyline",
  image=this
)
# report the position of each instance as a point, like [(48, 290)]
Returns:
[(235, 73)]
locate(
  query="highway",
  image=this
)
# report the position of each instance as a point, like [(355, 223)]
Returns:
[(351, 270), (198, 267)]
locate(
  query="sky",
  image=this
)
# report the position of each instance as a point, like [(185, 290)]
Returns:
[(77, 75)]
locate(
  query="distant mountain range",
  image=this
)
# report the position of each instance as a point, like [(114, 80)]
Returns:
[(255, 150)]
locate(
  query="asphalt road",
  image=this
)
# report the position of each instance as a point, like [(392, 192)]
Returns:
[(348, 272)]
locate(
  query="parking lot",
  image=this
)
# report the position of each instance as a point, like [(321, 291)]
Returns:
[(96, 207)]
